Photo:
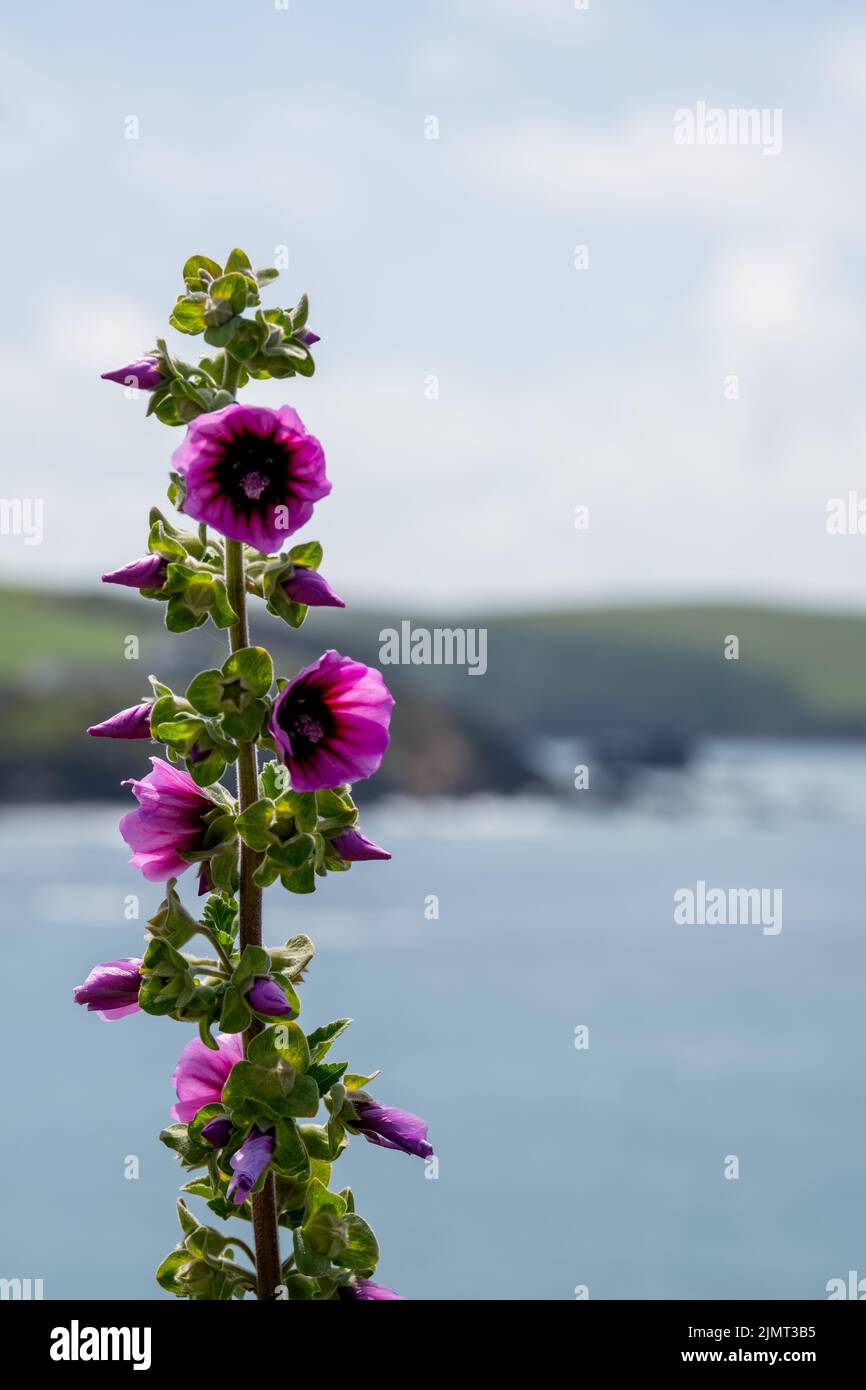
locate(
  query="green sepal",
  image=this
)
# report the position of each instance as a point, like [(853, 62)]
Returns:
[(192, 1152), (255, 961), (244, 727), (324, 1142), (336, 809), (246, 340), (235, 1015), (171, 922), (300, 1288), (290, 1157)]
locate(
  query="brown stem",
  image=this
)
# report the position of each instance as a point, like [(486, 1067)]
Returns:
[(265, 1227)]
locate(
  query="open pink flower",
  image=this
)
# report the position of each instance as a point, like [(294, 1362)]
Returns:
[(330, 723), (251, 473), (169, 819), (201, 1074)]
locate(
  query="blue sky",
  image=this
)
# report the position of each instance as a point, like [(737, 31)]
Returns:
[(454, 258)]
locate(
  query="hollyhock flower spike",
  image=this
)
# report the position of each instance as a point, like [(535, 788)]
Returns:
[(201, 1074), (330, 723), (111, 988), (169, 820), (252, 473), (254, 794), (146, 573), (248, 1163), (127, 723), (144, 373)]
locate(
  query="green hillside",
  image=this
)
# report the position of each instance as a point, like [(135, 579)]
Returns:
[(582, 672)]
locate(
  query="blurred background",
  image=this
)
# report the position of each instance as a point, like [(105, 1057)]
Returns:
[(583, 388)]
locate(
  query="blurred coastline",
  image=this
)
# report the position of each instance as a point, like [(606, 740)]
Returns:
[(634, 694)]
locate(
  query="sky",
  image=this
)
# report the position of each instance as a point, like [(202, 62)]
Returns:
[(474, 385)]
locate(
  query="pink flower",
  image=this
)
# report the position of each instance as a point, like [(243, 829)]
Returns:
[(330, 723), (127, 723), (251, 473), (144, 372), (307, 586), (201, 1074), (111, 988), (169, 819)]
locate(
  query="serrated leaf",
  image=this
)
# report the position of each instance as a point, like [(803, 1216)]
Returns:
[(321, 1039)]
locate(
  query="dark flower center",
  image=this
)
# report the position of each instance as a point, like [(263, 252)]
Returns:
[(252, 472), (306, 719)]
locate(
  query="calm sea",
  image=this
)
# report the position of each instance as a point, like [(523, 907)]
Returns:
[(559, 1166)]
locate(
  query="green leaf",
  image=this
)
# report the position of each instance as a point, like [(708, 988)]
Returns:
[(239, 260), (321, 1039), (309, 554), (291, 854), (361, 1254), (325, 1074), (191, 1152), (193, 268), (254, 825), (300, 312), (274, 778), (301, 880), (188, 1223), (254, 666), (167, 1273), (302, 807), (284, 1040), (235, 1015), (293, 958), (204, 691), (187, 316), (246, 340), (230, 291)]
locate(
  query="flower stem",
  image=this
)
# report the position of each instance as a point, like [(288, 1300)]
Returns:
[(250, 927)]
